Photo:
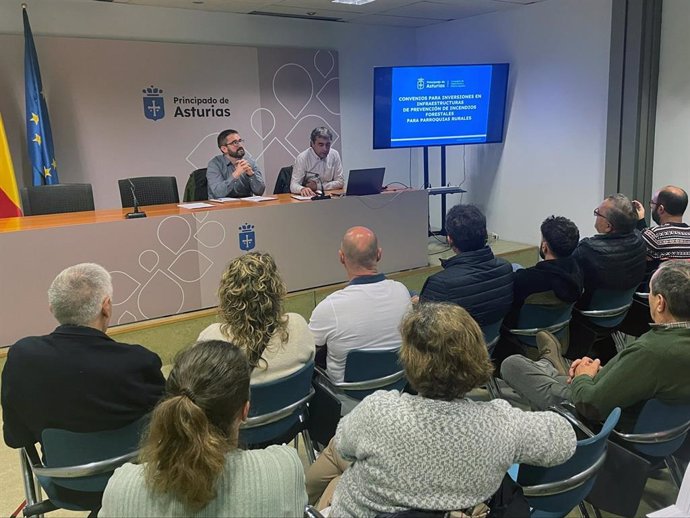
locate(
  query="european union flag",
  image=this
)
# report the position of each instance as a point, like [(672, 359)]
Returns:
[(38, 135)]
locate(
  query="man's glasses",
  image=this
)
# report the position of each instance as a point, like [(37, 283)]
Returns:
[(597, 213), (235, 142)]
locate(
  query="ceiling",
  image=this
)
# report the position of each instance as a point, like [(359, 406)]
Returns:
[(397, 13)]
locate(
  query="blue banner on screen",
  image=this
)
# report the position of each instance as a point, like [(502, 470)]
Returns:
[(439, 105)]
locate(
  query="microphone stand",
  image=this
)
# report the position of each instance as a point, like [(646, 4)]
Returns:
[(136, 213), (323, 195)]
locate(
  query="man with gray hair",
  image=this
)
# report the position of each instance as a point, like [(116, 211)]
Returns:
[(656, 365), (317, 167), (77, 378)]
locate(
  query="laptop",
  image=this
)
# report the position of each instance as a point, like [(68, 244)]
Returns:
[(365, 181)]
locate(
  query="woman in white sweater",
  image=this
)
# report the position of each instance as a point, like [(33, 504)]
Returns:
[(251, 297), (191, 465), (437, 450)]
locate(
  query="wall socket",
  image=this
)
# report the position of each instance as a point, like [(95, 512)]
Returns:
[(493, 237)]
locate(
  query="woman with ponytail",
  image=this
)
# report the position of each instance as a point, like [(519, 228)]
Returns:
[(250, 297), (191, 465)]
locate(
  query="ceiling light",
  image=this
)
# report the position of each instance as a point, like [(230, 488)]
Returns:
[(352, 2)]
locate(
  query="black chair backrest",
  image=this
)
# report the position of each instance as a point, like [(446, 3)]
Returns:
[(196, 188), (55, 199), (149, 190), (283, 181)]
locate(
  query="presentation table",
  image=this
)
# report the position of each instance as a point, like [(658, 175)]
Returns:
[(171, 261)]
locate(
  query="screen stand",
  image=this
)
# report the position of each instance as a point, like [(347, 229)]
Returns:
[(427, 185)]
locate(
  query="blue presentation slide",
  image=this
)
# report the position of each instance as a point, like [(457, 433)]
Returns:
[(442, 105)]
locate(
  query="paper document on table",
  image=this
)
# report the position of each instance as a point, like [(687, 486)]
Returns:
[(300, 197), (199, 205), (260, 198), (223, 200)]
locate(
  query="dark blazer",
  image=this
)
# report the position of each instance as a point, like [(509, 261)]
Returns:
[(78, 379), (477, 281)]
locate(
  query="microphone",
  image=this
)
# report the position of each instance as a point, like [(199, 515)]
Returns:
[(137, 213), (323, 195)]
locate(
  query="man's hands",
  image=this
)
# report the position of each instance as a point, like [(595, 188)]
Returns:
[(585, 366), (242, 167), (309, 188), (639, 208)]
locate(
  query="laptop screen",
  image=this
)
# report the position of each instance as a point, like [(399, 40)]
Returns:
[(361, 182)]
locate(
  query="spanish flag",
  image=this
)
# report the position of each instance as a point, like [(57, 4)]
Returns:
[(9, 195)]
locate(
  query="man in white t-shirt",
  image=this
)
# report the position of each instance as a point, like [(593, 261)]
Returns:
[(364, 315)]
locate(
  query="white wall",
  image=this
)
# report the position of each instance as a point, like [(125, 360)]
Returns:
[(552, 159), (360, 48), (672, 138)]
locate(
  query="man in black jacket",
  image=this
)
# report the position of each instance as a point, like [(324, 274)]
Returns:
[(473, 278), (77, 378), (559, 271), (613, 259)]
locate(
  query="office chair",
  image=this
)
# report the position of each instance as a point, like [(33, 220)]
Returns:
[(149, 190), (56, 199)]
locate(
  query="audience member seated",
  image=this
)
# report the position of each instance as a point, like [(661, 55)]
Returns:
[(77, 378), (364, 315), (558, 272), (437, 450), (614, 258), (655, 366), (556, 277), (473, 278), (670, 239), (251, 298), (191, 465)]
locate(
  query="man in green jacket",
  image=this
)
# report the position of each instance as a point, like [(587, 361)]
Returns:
[(656, 365)]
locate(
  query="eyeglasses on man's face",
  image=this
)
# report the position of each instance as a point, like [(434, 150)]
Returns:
[(598, 213), (235, 142)]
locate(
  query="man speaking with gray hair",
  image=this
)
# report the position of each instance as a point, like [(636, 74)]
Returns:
[(318, 166), (77, 378)]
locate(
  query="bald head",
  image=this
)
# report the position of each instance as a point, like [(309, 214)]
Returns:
[(673, 199), (360, 249)]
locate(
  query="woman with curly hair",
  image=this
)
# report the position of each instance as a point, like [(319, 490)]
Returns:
[(251, 297), (190, 462), (437, 450)]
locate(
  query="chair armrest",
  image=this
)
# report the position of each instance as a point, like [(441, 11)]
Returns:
[(311, 512), (272, 417), (654, 437), (569, 413), (357, 385), (84, 470), (604, 313), (534, 330), (560, 486)]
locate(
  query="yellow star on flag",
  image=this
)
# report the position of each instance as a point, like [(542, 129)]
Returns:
[(34, 117), (37, 139), (46, 172), (54, 164)]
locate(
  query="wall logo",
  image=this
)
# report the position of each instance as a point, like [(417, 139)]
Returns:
[(247, 237), (154, 104), (420, 83)]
